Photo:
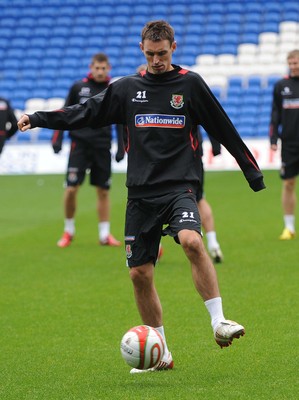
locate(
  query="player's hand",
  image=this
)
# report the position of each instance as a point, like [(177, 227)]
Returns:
[(119, 156), (24, 123)]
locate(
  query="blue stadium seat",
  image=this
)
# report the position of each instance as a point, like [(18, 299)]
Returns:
[(9, 23), (69, 11), (19, 43), (269, 26), (47, 21), (23, 137), (210, 38), (40, 42), (4, 43), (48, 10), (208, 49), (216, 8), (104, 9), (142, 10), (7, 84), (79, 31), (290, 16), (231, 110), (271, 16), (255, 81), (272, 79), (95, 41), (254, 18), (249, 37), (246, 130), (58, 92), (41, 93), (235, 82), (31, 63), (45, 134), (272, 6)]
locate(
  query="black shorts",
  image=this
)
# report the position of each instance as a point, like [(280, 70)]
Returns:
[(145, 219), (85, 156), (290, 160), (289, 170)]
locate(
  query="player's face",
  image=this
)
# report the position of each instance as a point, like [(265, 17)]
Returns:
[(158, 55), (100, 70), (294, 66)]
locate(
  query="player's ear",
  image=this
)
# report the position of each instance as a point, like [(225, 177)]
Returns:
[(173, 46), (141, 46)]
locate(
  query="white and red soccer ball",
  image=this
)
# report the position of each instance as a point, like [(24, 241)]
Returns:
[(142, 347)]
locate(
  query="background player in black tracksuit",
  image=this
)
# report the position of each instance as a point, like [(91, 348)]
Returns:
[(285, 126), (161, 109), (90, 149), (8, 122)]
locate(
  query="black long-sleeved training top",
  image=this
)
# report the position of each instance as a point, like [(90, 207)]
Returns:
[(80, 92), (161, 113), (285, 116)]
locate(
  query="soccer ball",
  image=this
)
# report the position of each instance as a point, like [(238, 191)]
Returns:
[(142, 347)]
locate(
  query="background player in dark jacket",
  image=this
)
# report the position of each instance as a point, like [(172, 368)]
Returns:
[(90, 149), (285, 126), (8, 122), (161, 109)]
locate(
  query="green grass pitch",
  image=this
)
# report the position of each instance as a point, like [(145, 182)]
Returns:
[(63, 311)]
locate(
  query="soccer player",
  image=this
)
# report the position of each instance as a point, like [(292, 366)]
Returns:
[(285, 126), (205, 209), (90, 149), (8, 122), (161, 109)]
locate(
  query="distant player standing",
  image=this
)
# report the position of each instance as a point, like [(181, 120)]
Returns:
[(90, 149), (8, 122), (285, 126), (161, 109)]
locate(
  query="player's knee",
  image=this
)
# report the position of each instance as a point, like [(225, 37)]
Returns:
[(141, 276), (191, 241)]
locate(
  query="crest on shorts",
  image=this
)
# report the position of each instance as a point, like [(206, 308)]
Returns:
[(72, 177), (128, 250), (177, 101)]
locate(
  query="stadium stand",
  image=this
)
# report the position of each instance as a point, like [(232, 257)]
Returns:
[(239, 47)]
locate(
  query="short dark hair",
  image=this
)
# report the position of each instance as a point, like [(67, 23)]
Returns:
[(157, 30), (100, 57)]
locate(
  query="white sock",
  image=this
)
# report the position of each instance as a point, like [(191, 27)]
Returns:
[(214, 306), (69, 226), (212, 240), (289, 222), (104, 230), (160, 329)]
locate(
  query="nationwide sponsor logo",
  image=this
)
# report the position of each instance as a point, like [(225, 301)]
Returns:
[(177, 101), (159, 121), (290, 103)]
